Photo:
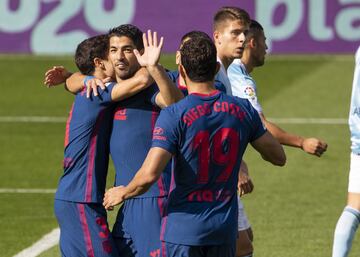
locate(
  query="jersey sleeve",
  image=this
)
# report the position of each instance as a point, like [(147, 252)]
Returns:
[(258, 127), (165, 134), (243, 86), (104, 95)]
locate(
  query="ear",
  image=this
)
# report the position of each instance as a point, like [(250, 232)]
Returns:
[(182, 72), (99, 63), (252, 42), (216, 36), (177, 57)]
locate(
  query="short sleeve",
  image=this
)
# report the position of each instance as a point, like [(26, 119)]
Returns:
[(165, 134), (243, 85), (258, 127), (104, 95)]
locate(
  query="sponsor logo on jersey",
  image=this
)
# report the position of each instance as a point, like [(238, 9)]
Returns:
[(249, 92), (120, 113), (158, 134)]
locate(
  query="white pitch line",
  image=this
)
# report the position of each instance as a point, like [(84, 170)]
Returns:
[(46, 242), (49, 119), (26, 191), (326, 121), (28, 119)]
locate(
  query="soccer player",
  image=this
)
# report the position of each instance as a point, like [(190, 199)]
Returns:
[(175, 75), (206, 133), (244, 86), (81, 217), (349, 220), (230, 25)]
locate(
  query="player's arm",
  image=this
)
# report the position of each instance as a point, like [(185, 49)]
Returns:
[(270, 149), (169, 93), (245, 184), (56, 75), (147, 175), (310, 145), (131, 86)]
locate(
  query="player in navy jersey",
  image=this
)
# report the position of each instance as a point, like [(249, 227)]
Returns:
[(206, 133), (134, 120), (81, 217), (137, 227)]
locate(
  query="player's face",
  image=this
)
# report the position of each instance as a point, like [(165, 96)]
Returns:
[(260, 49), (230, 39), (109, 69), (122, 57)]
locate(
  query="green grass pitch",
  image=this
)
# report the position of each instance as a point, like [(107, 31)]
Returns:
[(293, 209)]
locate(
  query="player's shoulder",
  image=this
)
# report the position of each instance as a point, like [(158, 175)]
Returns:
[(237, 68), (173, 74)]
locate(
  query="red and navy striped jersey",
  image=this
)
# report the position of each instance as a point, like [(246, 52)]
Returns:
[(86, 152), (133, 122), (207, 135)]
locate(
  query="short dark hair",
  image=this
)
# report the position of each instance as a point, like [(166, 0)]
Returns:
[(130, 31), (254, 29), (87, 50), (198, 57), (194, 34), (230, 13)]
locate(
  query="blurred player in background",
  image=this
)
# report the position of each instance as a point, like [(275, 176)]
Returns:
[(349, 220), (207, 134), (244, 86), (229, 28)]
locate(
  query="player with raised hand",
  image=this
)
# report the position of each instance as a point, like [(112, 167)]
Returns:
[(206, 133), (244, 86)]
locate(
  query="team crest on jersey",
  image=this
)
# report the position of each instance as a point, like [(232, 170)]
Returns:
[(120, 113), (249, 91)]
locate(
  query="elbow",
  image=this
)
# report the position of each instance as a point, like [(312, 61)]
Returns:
[(280, 160)]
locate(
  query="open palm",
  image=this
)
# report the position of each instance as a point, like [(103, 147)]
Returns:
[(152, 49)]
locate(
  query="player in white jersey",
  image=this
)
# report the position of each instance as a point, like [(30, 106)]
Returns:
[(243, 85), (230, 25), (350, 217)]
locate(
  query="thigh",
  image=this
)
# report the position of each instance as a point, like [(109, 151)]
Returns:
[(84, 230), (139, 220)]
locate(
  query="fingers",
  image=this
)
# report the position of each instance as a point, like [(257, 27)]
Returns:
[(161, 42), (150, 39), (92, 86), (145, 40)]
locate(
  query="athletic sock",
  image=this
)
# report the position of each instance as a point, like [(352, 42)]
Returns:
[(345, 231)]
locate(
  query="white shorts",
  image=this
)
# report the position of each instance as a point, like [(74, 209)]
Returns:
[(354, 174), (243, 222)]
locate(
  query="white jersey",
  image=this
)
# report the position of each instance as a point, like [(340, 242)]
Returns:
[(354, 115), (223, 78), (242, 84)]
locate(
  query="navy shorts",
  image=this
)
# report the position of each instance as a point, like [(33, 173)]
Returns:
[(84, 230), (176, 250), (137, 227)]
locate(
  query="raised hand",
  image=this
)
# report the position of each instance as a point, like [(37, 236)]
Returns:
[(55, 76), (152, 50), (314, 146)]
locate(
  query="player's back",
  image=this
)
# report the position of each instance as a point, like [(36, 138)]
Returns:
[(211, 133), (86, 151)]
